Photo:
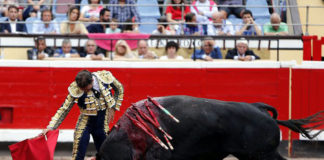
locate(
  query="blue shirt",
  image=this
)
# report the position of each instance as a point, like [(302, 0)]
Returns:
[(95, 28), (39, 27), (200, 54), (250, 31), (190, 30), (61, 54), (125, 12)]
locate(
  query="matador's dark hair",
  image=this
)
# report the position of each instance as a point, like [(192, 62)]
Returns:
[(83, 78)]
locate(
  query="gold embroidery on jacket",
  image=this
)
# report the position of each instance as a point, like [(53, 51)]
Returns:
[(79, 129), (61, 113)]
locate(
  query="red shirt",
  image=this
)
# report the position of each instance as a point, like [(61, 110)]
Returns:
[(176, 13)]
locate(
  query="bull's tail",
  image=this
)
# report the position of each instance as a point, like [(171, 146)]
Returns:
[(304, 126), (265, 107)]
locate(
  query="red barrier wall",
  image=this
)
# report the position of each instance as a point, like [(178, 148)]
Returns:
[(34, 94)]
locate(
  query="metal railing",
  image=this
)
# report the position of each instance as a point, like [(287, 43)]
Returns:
[(192, 42)]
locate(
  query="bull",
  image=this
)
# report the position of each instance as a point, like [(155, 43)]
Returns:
[(208, 130)]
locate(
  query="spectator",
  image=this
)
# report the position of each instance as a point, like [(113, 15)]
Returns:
[(40, 51), (275, 26), (220, 26), (143, 52), (163, 29), (34, 6), (208, 52), (226, 11), (90, 12), (4, 4), (91, 51), (46, 25), (104, 18), (73, 25), (248, 27), (191, 27), (20, 13), (131, 27), (113, 27), (122, 12), (174, 13), (171, 50), (10, 25), (123, 51), (203, 9), (66, 51), (241, 52)]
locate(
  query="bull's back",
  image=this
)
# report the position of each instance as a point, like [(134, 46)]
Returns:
[(237, 125)]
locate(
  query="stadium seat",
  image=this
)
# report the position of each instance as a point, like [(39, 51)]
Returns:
[(147, 28), (3, 19), (29, 23), (255, 7), (151, 11), (59, 11), (235, 21)]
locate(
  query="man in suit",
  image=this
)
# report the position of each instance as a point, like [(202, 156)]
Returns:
[(10, 25), (241, 52), (208, 51), (40, 51)]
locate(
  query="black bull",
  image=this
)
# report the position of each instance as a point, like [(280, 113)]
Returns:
[(208, 129)]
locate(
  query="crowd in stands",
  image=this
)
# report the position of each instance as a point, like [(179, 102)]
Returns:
[(201, 17), (122, 51)]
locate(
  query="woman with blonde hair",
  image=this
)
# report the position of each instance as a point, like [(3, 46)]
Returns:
[(73, 25), (123, 51)]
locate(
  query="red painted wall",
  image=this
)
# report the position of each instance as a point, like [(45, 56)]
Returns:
[(34, 94)]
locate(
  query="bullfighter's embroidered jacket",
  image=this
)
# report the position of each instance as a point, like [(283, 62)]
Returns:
[(89, 104)]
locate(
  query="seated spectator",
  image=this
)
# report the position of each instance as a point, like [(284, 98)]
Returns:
[(241, 52), (171, 50), (220, 26), (40, 51), (90, 12), (174, 13), (191, 27), (203, 9), (113, 27), (163, 29), (91, 51), (226, 11), (122, 12), (20, 13), (46, 25), (275, 26), (130, 28), (104, 18), (10, 25), (73, 25), (143, 52), (123, 51), (248, 27), (66, 51), (208, 52)]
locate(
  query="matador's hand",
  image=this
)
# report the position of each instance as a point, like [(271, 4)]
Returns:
[(111, 113)]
